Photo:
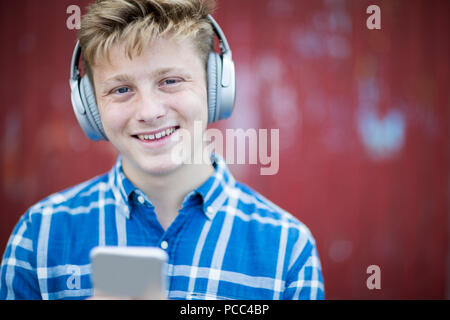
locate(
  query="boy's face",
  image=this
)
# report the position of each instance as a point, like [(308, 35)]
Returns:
[(155, 93)]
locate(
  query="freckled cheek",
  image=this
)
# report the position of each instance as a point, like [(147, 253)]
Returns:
[(193, 107), (114, 120), (196, 111)]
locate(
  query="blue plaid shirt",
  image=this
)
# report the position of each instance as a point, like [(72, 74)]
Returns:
[(227, 242)]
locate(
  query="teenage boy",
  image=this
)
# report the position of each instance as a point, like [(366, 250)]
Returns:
[(151, 73)]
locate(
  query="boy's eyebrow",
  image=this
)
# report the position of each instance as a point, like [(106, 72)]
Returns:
[(118, 78), (156, 73)]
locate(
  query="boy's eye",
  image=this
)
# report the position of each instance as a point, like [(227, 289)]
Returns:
[(171, 81), (121, 90)]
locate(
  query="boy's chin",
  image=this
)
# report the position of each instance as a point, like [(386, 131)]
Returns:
[(160, 168)]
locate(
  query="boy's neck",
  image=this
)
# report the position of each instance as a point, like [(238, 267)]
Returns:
[(167, 192)]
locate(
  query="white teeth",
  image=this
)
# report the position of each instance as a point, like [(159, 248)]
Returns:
[(158, 135)]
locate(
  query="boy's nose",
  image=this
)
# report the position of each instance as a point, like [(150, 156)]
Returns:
[(150, 107)]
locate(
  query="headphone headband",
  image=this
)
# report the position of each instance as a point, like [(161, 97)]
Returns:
[(224, 47), (74, 70)]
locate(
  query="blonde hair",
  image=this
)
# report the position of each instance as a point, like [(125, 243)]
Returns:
[(134, 23)]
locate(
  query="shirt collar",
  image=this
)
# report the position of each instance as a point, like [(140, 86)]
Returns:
[(214, 191)]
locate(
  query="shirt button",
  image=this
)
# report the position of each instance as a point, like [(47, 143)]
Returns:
[(164, 245), (141, 199)]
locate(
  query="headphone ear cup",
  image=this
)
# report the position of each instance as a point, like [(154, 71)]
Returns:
[(214, 74), (96, 131)]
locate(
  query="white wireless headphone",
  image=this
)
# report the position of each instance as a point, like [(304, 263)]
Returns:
[(221, 88)]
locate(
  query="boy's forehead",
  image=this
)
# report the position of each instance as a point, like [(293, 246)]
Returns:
[(162, 48)]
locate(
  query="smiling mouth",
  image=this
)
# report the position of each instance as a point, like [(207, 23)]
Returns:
[(158, 135)]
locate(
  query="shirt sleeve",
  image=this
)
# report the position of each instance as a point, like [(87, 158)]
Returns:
[(18, 280), (304, 279)]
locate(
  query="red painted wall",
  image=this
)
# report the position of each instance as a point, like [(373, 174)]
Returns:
[(363, 118)]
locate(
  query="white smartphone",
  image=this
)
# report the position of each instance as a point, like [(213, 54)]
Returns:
[(129, 272)]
